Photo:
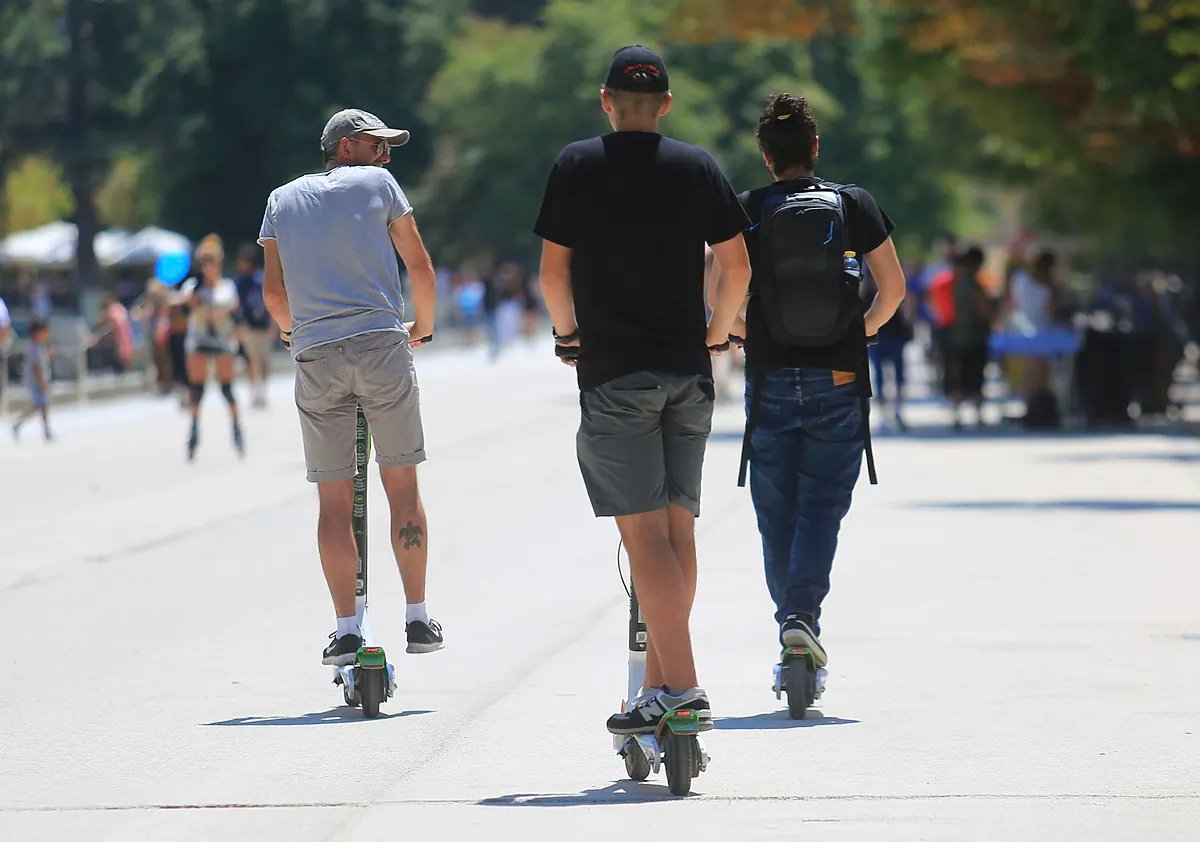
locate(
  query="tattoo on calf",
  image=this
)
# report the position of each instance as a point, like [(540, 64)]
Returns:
[(411, 535)]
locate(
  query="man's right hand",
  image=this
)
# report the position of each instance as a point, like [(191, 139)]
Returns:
[(567, 347)]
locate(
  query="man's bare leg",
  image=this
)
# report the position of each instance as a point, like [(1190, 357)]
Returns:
[(664, 595), (682, 528), (410, 540), (335, 541)]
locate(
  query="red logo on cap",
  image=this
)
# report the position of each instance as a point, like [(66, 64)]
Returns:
[(634, 69)]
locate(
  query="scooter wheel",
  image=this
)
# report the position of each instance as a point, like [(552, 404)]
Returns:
[(636, 764), (800, 686), (372, 689), (679, 762)]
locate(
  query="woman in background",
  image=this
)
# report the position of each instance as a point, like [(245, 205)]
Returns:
[(212, 336)]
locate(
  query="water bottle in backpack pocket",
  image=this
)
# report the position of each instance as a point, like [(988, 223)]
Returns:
[(806, 277)]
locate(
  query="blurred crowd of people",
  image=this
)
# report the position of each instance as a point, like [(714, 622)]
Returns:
[(1116, 347), (1109, 354), (499, 299), (173, 330)]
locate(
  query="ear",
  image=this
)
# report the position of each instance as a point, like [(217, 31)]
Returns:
[(770, 164), (665, 108), (606, 101), (345, 149), (816, 149)]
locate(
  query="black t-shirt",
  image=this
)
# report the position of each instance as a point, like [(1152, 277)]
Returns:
[(636, 209), (867, 227)]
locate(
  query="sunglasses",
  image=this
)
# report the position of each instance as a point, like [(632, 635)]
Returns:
[(381, 147)]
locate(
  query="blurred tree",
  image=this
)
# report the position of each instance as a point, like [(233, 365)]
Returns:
[(513, 11), (484, 183), (68, 80), (1093, 107), (509, 97), (245, 118), (129, 196), (34, 194)]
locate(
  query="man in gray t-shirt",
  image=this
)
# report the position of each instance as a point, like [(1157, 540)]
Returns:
[(331, 282)]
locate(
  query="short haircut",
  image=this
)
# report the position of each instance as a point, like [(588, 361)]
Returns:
[(630, 104), (786, 132)]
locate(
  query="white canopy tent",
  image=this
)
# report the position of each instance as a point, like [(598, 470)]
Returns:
[(53, 245)]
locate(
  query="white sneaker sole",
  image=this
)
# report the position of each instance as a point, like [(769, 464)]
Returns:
[(424, 648), (798, 637)]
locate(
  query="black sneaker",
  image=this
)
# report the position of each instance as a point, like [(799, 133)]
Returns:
[(342, 651), (424, 637), (193, 441), (797, 630), (239, 442), (644, 718)]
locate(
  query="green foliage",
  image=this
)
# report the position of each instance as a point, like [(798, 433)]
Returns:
[(129, 196), (193, 110), (1091, 108), (508, 97), (34, 194)]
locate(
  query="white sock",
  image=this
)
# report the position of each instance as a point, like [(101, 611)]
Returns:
[(348, 625), (416, 612)]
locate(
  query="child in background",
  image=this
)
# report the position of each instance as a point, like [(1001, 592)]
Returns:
[(37, 379)]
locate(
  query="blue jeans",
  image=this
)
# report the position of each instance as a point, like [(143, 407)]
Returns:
[(888, 352), (806, 452)]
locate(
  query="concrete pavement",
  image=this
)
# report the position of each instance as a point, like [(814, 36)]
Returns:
[(1014, 635)]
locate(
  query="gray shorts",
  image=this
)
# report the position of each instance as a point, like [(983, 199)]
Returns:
[(375, 370), (641, 442)]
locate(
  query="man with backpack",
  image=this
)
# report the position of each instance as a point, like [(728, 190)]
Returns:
[(807, 386)]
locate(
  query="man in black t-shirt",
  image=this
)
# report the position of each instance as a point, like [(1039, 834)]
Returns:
[(806, 404), (625, 219)]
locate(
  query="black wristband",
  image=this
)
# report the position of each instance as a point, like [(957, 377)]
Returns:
[(563, 339)]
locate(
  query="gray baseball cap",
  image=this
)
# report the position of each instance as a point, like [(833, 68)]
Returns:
[(352, 121)]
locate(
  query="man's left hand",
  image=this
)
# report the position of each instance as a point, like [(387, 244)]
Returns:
[(419, 334)]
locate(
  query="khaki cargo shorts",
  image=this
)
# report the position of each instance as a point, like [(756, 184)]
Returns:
[(375, 370)]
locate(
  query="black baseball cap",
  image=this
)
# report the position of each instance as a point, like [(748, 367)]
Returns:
[(639, 70)]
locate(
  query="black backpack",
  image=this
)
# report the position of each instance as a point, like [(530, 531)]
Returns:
[(806, 285), (808, 289)]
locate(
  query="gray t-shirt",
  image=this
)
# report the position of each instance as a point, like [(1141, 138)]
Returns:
[(339, 264)]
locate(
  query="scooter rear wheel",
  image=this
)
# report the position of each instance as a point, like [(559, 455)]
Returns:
[(800, 683), (679, 761), (372, 689)]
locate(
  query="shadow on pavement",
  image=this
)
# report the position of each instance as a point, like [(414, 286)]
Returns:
[(1125, 457), (777, 721), (1062, 505), (618, 792), (333, 716)]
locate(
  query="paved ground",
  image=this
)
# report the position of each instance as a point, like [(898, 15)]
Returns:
[(1014, 632)]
